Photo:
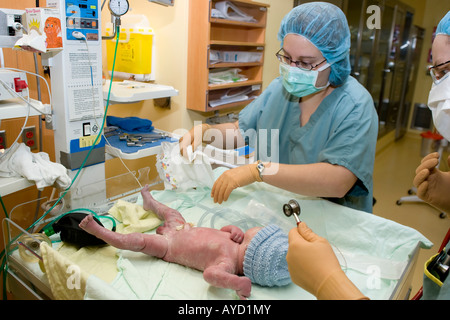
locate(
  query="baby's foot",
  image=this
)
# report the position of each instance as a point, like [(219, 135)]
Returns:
[(147, 199), (245, 288), (89, 225), (172, 218)]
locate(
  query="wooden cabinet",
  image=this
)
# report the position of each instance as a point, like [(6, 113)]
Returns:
[(238, 44)]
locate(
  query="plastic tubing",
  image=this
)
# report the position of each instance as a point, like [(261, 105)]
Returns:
[(93, 145)]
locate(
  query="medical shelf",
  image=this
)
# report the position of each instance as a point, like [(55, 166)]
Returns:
[(207, 33), (17, 108), (126, 91), (13, 184), (234, 84), (132, 91), (140, 152), (117, 148)]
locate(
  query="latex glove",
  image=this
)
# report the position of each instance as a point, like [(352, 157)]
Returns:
[(232, 179), (313, 266), (433, 185), (193, 138)]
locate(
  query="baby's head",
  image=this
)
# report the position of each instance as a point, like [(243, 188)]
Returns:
[(265, 258)]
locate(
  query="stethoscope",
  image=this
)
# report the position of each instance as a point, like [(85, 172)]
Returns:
[(292, 208)]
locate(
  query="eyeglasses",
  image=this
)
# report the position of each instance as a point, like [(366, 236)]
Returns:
[(298, 64), (439, 72)]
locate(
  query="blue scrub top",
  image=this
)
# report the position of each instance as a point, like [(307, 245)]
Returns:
[(342, 131)]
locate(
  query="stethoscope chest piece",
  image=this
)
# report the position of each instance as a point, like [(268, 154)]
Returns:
[(292, 208)]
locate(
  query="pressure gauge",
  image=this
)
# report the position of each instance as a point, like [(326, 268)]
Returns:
[(118, 7)]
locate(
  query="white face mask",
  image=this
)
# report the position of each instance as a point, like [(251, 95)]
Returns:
[(439, 103)]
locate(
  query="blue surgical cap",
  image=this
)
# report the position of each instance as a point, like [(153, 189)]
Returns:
[(444, 26), (326, 26)]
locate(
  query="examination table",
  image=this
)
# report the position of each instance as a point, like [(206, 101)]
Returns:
[(377, 254)]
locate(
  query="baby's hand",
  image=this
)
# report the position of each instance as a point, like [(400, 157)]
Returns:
[(236, 234)]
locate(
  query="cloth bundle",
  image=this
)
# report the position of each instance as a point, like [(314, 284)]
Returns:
[(130, 124), (180, 173), (21, 162), (133, 217)]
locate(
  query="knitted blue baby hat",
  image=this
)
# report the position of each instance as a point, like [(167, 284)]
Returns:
[(265, 259)]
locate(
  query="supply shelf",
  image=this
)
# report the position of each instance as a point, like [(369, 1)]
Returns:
[(133, 91), (17, 108), (13, 184), (115, 147)]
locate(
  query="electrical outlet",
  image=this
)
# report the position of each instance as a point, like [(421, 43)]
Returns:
[(29, 137), (2, 139)]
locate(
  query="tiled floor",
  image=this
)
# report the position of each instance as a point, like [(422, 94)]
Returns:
[(393, 175)]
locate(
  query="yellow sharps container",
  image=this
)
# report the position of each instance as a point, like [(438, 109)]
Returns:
[(134, 52)]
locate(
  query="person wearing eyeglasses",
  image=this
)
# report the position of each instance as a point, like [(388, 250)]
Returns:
[(322, 120), (433, 185), (311, 261)]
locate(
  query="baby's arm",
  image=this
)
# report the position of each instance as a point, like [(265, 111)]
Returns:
[(236, 234), (218, 276)]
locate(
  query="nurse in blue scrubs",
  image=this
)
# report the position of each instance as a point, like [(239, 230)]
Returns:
[(311, 260), (314, 127)]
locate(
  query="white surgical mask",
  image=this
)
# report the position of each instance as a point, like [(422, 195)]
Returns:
[(301, 83), (439, 104)]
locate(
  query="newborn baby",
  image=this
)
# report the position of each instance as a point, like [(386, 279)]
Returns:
[(223, 255)]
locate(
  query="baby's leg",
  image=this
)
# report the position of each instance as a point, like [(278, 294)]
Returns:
[(153, 245), (171, 217)]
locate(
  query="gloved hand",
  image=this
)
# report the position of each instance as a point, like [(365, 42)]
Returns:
[(233, 178), (313, 266), (193, 138), (433, 185)]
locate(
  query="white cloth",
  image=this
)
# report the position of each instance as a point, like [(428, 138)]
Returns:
[(177, 172), (37, 167), (33, 40)]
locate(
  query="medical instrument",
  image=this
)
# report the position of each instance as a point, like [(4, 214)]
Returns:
[(142, 136), (292, 208), (138, 140), (439, 266), (118, 7), (78, 35)]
